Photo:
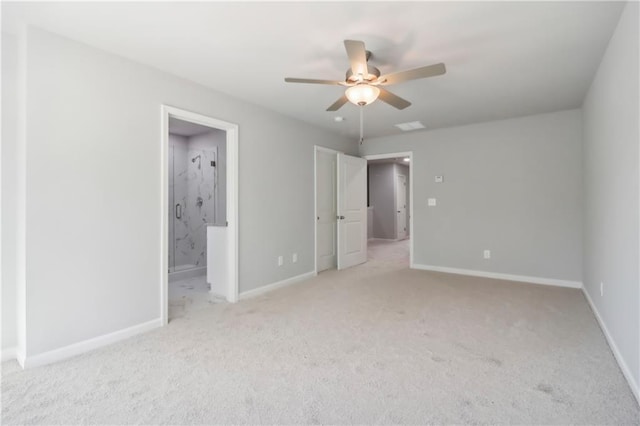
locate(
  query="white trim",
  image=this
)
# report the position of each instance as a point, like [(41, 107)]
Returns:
[(233, 217), (339, 201), (20, 357), (274, 286), (411, 203), (164, 220), (614, 348), (395, 199), (21, 199), (500, 276), (232, 199), (317, 148), (89, 345), (9, 354)]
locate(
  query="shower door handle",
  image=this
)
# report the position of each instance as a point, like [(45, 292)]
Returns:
[(178, 211)]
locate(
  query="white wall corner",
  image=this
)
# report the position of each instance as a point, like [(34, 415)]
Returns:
[(274, 286), (500, 276), (614, 348), (20, 357), (88, 345)]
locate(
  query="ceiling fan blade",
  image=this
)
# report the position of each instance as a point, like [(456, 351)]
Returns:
[(414, 74), (357, 56), (393, 100), (338, 104), (311, 81)]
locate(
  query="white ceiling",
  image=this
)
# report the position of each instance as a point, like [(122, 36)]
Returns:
[(503, 59)]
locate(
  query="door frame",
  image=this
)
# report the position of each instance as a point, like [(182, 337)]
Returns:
[(231, 130), (411, 199), (317, 148)]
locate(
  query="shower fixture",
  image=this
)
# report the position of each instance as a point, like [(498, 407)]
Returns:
[(197, 157)]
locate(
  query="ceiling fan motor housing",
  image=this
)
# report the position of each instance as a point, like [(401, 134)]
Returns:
[(372, 75)]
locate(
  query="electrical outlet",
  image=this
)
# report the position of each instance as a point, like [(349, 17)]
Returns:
[(280, 261), (601, 289), (487, 254), (431, 202), (294, 257)]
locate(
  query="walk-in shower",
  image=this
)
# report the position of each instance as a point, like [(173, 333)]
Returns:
[(196, 195)]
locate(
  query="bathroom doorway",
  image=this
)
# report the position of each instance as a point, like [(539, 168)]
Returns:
[(197, 201), (200, 212)]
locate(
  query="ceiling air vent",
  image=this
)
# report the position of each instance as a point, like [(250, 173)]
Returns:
[(413, 125)]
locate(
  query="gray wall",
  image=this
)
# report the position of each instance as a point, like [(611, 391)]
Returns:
[(93, 144), (611, 185), (511, 186), (9, 188), (382, 199)]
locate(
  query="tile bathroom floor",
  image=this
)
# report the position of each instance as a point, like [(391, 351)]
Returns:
[(188, 295)]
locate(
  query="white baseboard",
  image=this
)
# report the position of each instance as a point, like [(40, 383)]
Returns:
[(20, 357), (88, 345), (9, 354), (270, 287), (500, 276), (614, 348)]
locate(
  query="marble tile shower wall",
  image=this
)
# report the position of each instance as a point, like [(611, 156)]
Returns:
[(192, 186)]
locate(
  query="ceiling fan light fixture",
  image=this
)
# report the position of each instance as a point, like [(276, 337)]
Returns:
[(362, 94)]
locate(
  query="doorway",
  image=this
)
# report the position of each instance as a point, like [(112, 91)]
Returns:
[(389, 194), (197, 194), (340, 220), (199, 249)]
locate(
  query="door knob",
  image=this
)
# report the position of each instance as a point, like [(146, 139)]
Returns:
[(339, 217)]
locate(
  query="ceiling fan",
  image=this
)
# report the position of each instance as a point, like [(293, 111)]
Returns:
[(364, 81)]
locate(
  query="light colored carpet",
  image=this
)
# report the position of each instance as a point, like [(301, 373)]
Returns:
[(375, 344), (389, 253)]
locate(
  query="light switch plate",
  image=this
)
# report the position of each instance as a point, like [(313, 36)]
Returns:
[(439, 179), (431, 202)]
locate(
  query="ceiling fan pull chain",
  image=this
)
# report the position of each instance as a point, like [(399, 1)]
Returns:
[(361, 124)]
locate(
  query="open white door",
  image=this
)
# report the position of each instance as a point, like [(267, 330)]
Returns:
[(326, 209), (352, 211)]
